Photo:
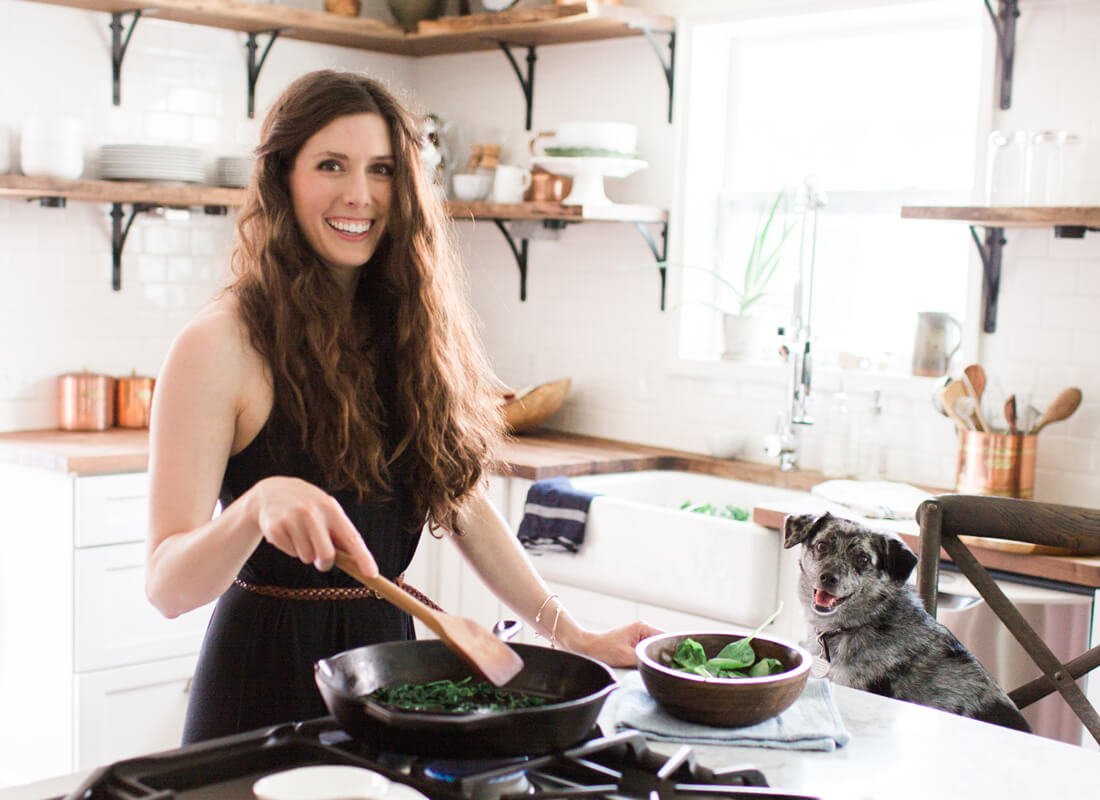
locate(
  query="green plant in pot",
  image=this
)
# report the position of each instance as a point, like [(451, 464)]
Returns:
[(408, 13), (740, 327)]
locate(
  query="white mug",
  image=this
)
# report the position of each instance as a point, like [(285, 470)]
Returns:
[(509, 183)]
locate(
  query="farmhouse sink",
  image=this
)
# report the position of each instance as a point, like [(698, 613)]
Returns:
[(641, 546)]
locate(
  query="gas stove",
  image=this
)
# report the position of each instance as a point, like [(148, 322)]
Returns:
[(613, 767)]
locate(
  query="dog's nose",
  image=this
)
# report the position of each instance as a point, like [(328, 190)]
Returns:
[(829, 580)]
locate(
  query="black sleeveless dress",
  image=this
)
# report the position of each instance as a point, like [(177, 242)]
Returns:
[(256, 664)]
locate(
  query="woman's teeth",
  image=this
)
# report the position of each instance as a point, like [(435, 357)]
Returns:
[(347, 226)]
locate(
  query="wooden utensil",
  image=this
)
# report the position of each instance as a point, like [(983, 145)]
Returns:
[(949, 397), (1063, 405), (975, 373), (498, 662), (978, 418), (1010, 413)]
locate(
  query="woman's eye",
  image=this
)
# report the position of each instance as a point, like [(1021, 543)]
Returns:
[(382, 169), (330, 165)]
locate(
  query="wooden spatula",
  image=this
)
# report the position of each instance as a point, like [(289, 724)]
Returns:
[(498, 662), (949, 397), (1061, 407)]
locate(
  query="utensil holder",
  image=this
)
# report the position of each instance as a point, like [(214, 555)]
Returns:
[(1001, 464)]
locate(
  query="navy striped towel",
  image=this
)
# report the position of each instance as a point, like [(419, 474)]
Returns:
[(554, 516)]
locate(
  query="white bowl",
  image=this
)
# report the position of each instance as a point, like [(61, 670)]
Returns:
[(328, 782), (470, 186)]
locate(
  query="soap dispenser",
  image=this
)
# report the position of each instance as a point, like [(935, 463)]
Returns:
[(871, 464), (838, 457)]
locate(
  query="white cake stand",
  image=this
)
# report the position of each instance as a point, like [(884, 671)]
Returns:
[(588, 175)]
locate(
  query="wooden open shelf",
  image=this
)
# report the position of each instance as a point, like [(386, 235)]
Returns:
[(1010, 216), (93, 191), (96, 191), (550, 24)]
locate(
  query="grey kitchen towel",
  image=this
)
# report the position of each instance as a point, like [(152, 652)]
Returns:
[(811, 723), (555, 516)]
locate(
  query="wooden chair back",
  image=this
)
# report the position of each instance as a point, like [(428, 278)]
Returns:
[(944, 519)]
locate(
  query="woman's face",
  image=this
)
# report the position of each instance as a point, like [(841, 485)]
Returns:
[(341, 186)]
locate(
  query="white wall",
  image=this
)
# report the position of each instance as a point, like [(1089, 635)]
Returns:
[(591, 311)]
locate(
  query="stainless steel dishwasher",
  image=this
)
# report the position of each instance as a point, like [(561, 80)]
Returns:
[(1060, 614)]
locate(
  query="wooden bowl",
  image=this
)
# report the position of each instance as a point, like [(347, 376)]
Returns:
[(529, 409), (722, 702)]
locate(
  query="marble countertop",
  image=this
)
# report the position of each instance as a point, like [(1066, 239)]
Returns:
[(897, 751)]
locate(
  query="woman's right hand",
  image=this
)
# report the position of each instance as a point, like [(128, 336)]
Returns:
[(306, 523)]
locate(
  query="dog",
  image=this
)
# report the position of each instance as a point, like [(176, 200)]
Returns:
[(873, 630)]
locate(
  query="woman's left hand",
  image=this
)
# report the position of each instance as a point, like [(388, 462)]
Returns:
[(615, 647)]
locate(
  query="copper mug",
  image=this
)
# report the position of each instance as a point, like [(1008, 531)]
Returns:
[(133, 401), (85, 401), (548, 187)]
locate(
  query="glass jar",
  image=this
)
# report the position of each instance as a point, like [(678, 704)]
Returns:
[(1006, 168)]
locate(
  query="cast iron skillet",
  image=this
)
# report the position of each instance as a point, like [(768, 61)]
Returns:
[(577, 686)]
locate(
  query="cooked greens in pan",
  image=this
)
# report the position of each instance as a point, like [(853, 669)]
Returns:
[(454, 697)]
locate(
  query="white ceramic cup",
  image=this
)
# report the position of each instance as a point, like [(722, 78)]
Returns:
[(509, 183), (5, 150)]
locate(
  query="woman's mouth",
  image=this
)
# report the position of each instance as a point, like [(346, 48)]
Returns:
[(350, 229)]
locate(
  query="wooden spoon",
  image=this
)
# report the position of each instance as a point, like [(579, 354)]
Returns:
[(975, 373), (976, 415), (949, 398), (498, 662), (1064, 404), (1010, 414)]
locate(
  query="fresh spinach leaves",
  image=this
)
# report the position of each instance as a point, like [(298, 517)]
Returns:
[(726, 512), (456, 697), (736, 660)]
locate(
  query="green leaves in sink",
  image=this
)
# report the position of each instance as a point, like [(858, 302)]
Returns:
[(726, 512), (736, 660)]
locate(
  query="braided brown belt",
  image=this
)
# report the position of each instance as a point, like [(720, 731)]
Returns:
[(333, 592)]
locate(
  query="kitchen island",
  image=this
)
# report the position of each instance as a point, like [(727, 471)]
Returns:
[(897, 751)]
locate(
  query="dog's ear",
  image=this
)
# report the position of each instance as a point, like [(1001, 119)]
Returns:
[(897, 559), (798, 528)]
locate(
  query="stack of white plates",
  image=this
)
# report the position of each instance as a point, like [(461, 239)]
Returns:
[(232, 171), (150, 162)]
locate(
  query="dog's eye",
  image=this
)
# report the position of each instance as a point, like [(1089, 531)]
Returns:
[(863, 561), (821, 547)]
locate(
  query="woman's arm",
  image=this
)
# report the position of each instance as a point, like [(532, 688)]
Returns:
[(500, 561), (211, 398)]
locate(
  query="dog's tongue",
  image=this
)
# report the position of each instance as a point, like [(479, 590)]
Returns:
[(823, 599)]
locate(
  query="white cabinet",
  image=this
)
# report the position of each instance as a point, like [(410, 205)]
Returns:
[(90, 672)]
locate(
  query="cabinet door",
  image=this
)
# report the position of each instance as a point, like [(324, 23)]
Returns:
[(111, 509), (131, 711), (115, 623)]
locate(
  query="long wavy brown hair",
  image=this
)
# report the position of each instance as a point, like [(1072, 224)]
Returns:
[(396, 395)]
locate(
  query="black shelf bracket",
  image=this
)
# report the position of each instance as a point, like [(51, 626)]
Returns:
[(520, 254), (1004, 25), (118, 49), (526, 83), (991, 251), (667, 65), (119, 232), (659, 253), (254, 65)]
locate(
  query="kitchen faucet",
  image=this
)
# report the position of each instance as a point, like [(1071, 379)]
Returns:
[(796, 347)]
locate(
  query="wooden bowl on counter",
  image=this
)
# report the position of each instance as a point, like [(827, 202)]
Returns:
[(722, 702), (526, 410)]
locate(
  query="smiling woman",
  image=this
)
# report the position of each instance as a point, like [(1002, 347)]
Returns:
[(334, 399)]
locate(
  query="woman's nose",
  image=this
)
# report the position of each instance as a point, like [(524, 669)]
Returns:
[(356, 189)]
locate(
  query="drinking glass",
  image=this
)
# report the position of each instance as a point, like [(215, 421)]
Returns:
[(1006, 168)]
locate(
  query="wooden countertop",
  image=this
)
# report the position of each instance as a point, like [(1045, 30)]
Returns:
[(542, 454)]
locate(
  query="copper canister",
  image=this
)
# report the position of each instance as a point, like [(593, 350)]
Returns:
[(133, 401), (85, 401)]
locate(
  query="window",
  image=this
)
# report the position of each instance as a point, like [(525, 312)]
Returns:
[(880, 108)]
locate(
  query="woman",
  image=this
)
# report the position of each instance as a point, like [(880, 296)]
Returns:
[(334, 396)]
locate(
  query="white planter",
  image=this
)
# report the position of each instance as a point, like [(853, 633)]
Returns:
[(743, 336)]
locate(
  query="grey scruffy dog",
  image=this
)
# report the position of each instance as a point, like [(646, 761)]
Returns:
[(874, 631)]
